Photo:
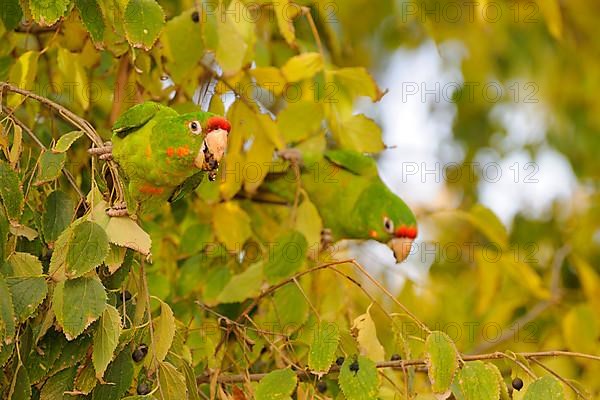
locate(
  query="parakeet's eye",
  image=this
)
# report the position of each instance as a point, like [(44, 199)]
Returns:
[(195, 127), (388, 225)]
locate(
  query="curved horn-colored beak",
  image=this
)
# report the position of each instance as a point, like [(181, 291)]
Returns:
[(401, 247), (212, 150)]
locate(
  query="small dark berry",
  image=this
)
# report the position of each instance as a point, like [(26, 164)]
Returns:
[(195, 16), (143, 389), (354, 366), (517, 383), (127, 295), (396, 357), (322, 386), (139, 353), (339, 361)]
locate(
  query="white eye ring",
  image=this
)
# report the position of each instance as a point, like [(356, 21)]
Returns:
[(195, 127), (388, 225)]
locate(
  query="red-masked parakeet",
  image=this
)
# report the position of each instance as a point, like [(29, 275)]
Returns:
[(351, 198), (162, 155)]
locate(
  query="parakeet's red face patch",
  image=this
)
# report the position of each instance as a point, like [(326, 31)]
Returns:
[(217, 122), (404, 231)]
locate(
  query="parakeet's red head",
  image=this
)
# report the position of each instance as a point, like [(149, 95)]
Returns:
[(217, 122)]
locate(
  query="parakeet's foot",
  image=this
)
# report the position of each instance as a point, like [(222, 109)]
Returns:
[(292, 155), (326, 238), (117, 210), (104, 152)]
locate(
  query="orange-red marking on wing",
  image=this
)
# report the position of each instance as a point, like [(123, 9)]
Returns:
[(149, 189), (170, 152), (183, 151)]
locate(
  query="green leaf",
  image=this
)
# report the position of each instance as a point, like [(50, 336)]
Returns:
[(86, 379), (42, 358), (47, 12), (65, 141), (11, 14), (242, 286), (90, 297), (50, 167), (302, 66), (10, 192), (7, 315), (361, 384), (276, 385), (164, 332), (106, 339), (28, 293), (57, 384), (233, 37), (4, 230), (325, 342), (195, 239), (24, 264), (22, 74), (57, 215), (182, 41), (284, 20), (547, 388), (442, 362), (88, 247), (190, 381), (57, 269), (478, 381), (286, 255), (118, 377), (143, 21), (172, 383), (291, 308), (91, 15), (21, 386), (231, 225)]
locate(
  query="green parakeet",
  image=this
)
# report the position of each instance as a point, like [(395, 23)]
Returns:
[(351, 198), (162, 155)]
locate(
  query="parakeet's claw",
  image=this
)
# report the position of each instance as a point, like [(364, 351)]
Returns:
[(326, 238), (292, 155), (117, 210), (104, 152)]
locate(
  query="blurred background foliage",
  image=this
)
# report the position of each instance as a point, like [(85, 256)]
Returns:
[(297, 74)]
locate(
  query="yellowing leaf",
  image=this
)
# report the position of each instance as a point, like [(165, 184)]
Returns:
[(89, 296), (24, 264), (286, 256), (92, 18), (442, 362), (47, 12), (231, 225), (276, 385), (302, 66), (182, 41), (309, 224), (232, 47), (547, 388), (65, 141), (551, 11), (50, 167), (359, 133), (172, 383), (143, 21), (87, 249), (7, 314), (356, 82), (15, 150), (10, 192), (243, 286), (300, 120), (22, 74), (325, 342), (363, 328), (478, 381), (358, 378), (269, 78), (73, 71), (28, 293), (581, 329), (283, 13), (590, 281), (106, 339), (164, 332)]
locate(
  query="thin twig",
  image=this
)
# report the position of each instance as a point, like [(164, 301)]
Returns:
[(399, 364)]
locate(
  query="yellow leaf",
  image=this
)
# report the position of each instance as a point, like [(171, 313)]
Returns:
[(363, 328), (581, 329), (303, 66), (590, 281), (359, 133), (551, 11), (74, 73), (22, 74), (231, 225), (269, 78), (356, 81), (284, 15)]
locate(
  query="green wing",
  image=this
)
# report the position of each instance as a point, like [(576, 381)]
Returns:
[(137, 116), (188, 186), (353, 161)]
